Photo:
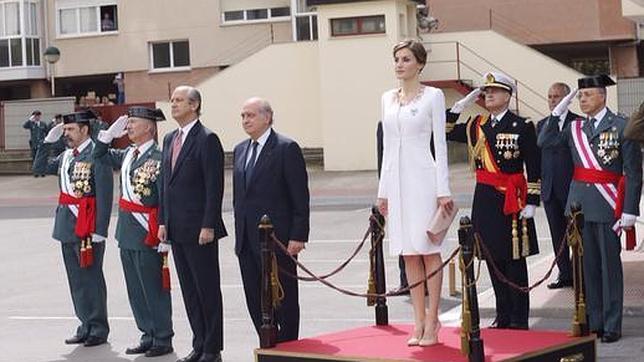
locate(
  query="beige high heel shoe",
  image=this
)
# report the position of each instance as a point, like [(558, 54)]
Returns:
[(430, 336), (415, 337)]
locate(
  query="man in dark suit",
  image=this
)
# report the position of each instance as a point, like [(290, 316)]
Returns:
[(190, 220), (269, 179), (556, 173)]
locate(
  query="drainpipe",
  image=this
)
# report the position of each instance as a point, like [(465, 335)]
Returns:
[(45, 17)]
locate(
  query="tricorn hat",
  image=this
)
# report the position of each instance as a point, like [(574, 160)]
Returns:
[(79, 117), (147, 113), (595, 81)]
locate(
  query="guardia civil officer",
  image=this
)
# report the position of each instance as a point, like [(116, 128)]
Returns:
[(607, 183), (503, 149), (81, 222), (136, 230)]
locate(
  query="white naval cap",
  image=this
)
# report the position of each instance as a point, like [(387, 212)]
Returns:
[(498, 80)]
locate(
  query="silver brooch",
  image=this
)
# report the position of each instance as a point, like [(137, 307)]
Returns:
[(414, 111)]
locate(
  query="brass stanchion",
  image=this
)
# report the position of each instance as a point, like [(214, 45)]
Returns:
[(268, 330), (378, 265), (471, 342), (579, 325)]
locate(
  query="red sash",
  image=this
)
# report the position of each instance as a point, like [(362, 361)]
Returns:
[(151, 238), (514, 185), (86, 220), (594, 176)]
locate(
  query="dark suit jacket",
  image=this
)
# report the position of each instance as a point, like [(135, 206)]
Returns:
[(278, 188), (192, 193), (556, 161)]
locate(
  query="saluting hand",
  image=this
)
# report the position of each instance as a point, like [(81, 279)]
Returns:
[(207, 235), (54, 134), (294, 247), (463, 103), (564, 103)]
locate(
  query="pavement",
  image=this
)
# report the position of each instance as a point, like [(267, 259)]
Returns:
[(36, 314)]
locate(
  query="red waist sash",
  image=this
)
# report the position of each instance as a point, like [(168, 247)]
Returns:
[(514, 184), (86, 220), (589, 175), (151, 238)]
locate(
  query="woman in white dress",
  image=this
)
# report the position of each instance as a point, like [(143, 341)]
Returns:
[(414, 185)]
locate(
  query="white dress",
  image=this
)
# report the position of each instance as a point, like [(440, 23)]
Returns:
[(411, 179)]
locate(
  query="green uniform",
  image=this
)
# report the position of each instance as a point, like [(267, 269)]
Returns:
[(37, 132), (142, 265), (87, 285)]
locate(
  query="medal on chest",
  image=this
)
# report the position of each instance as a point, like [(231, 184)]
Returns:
[(144, 176), (80, 178)]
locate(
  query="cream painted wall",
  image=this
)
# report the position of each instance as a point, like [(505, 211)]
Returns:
[(354, 72), (284, 74), (252, 4), (144, 21)]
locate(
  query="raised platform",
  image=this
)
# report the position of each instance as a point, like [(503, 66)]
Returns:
[(388, 343)]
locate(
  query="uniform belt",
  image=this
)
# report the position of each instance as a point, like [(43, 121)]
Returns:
[(86, 219), (151, 238), (513, 185)]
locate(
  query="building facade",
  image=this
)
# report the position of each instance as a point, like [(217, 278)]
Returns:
[(152, 45)]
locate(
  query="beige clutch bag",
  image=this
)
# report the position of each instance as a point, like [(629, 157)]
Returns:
[(440, 224)]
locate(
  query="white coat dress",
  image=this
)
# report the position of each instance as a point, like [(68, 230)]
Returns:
[(411, 179)]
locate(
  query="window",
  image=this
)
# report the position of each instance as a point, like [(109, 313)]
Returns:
[(257, 15), (358, 25), (170, 55), (12, 38), (306, 27), (87, 20)]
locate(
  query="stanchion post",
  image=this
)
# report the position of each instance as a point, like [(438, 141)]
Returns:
[(466, 240), (268, 330), (377, 236), (579, 322)]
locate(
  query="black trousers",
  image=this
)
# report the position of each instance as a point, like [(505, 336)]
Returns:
[(199, 277), (555, 212), (512, 306), (287, 316)]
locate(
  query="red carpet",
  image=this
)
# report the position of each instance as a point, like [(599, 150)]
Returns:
[(389, 342)]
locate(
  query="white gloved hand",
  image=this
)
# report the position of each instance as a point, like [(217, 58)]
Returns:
[(164, 247), (564, 103), (528, 212), (116, 130), (628, 220), (54, 134), (463, 103)]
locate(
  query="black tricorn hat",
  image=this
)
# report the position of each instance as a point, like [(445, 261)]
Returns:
[(147, 113), (79, 117), (595, 81)]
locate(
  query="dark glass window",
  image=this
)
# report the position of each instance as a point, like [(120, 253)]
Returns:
[(284, 11), (4, 53), (16, 52), (109, 21), (181, 53), (256, 14), (161, 55), (358, 25), (234, 15)]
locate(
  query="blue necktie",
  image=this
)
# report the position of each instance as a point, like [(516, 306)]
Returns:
[(248, 172)]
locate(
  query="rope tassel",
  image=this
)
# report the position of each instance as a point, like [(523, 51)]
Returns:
[(89, 257), (165, 273), (277, 292), (83, 255)]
